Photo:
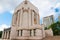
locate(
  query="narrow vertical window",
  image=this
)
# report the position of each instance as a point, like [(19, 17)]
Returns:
[(18, 33), (34, 32), (35, 20), (21, 32), (30, 33), (9, 35)]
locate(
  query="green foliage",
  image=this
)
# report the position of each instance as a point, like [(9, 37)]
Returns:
[(56, 28), (0, 34)]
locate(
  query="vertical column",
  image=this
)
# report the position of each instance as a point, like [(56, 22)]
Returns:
[(19, 32), (15, 19), (30, 17), (21, 17), (4, 34), (32, 33), (24, 32), (38, 19), (7, 34)]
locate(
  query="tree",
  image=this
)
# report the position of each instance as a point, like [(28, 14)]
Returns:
[(56, 28), (0, 34)]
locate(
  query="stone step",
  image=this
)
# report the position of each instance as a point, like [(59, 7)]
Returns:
[(52, 38)]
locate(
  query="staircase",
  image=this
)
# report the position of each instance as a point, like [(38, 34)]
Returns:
[(52, 38)]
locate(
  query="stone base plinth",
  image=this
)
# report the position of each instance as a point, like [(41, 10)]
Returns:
[(26, 38)]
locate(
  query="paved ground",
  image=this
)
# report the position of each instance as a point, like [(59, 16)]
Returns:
[(0, 39), (52, 38)]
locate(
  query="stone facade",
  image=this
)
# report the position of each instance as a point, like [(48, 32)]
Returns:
[(25, 24), (6, 33), (49, 32), (47, 21)]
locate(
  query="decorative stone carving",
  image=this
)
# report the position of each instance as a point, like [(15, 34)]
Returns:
[(25, 10)]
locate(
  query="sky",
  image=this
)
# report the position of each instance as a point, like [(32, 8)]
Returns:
[(46, 8)]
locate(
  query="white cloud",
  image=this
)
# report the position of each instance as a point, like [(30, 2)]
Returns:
[(3, 26), (12, 11), (1, 9), (8, 5), (57, 5), (44, 6)]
